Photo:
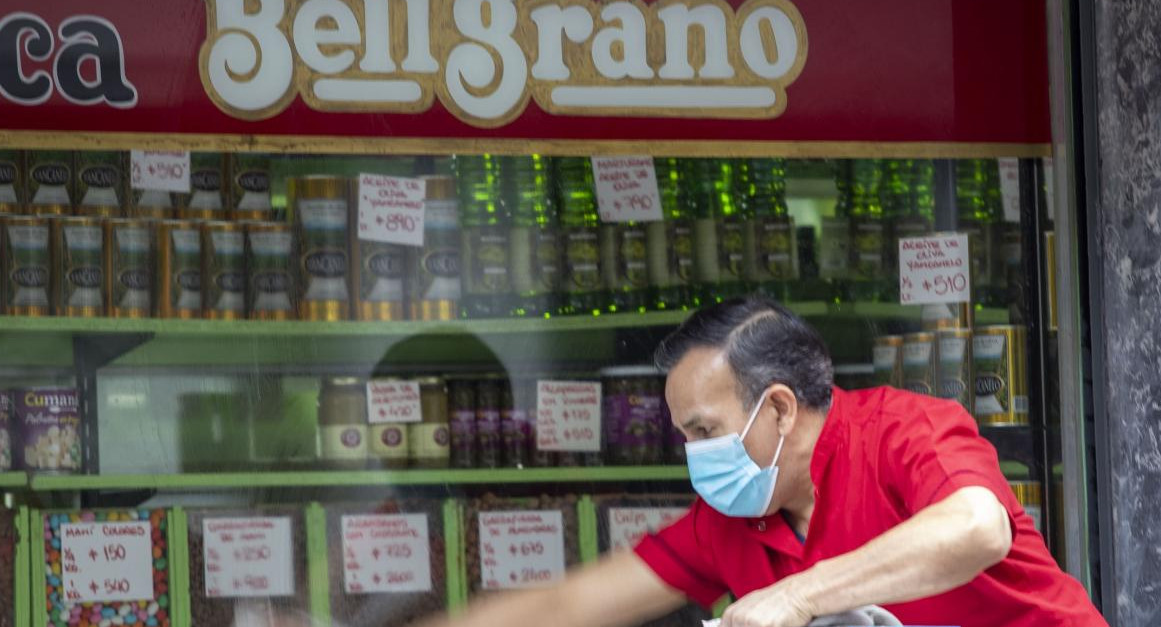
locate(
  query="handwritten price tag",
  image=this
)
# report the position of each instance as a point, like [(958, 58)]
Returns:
[(627, 189), (159, 170), (391, 209), (521, 549), (1010, 188), (934, 269), (392, 401), (386, 553), (627, 525), (248, 557), (568, 416), (107, 561)]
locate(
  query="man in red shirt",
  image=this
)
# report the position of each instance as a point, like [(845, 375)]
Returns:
[(815, 501)]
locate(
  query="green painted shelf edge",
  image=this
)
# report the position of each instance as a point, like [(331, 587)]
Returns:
[(244, 481), (253, 328), (13, 480)]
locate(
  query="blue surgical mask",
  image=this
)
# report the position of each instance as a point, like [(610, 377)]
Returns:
[(727, 478)]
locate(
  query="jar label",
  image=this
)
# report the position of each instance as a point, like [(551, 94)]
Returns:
[(344, 442)]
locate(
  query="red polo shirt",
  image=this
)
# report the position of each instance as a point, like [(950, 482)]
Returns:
[(883, 455)]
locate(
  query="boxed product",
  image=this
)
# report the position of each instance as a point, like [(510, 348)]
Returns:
[(247, 566), (387, 563), (519, 543), (106, 566), (622, 520)]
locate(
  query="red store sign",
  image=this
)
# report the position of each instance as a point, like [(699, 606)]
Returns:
[(934, 72)]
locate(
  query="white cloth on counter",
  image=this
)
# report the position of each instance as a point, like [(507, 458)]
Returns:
[(871, 615)]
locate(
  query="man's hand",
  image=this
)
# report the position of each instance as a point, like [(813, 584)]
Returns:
[(780, 605)]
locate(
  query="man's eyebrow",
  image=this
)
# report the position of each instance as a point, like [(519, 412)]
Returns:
[(691, 423)]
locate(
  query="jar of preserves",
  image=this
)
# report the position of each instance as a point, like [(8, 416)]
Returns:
[(342, 419), (431, 438)]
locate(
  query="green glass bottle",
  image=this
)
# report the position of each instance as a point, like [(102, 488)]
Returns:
[(979, 211), (625, 265), (867, 227), (583, 290), (670, 242), (909, 207), (718, 232), (535, 253), (770, 251), (487, 286), (834, 247)]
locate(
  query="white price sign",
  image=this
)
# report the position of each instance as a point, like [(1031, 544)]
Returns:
[(934, 269), (392, 401), (568, 416), (386, 553), (1010, 188), (627, 189), (521, 549), (391, 209), (627, 525), (248, 557), (159, 170), (107, 561)]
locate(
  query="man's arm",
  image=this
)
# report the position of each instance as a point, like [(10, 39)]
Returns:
[(941, 547), (618, 591)]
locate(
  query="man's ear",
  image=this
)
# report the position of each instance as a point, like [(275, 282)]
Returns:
[(781, 399)]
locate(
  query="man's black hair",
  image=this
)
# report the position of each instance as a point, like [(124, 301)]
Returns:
[(764, 344)]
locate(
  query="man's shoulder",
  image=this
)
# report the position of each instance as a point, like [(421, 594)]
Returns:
[(885, 406)]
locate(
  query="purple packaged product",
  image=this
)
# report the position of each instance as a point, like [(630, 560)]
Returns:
[(488, 422), (514, 426), (49, 423), (462, 423), (675, 439), (632, 415), (6, 431)]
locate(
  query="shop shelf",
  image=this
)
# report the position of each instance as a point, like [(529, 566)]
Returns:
[(13, 480), (48, 341), (243, 481)]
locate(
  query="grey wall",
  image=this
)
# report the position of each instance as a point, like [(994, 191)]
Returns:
[(1128, 221)]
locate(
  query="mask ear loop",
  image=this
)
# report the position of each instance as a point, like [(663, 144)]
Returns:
[(753, 415)]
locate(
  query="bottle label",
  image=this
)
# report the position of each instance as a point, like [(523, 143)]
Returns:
[(186, 277), (775, 249), (918, 368), (683, 252), (132, 268), (438, 268), (50, 181), (227, 274), (324, 249), (954, 365), (83, 278), (732, 249), (252, 183), (430, 441), (463, 434), (487, 256), (582, 260), (270, 280), (28, 271), (100, 183), (707, 262), (834, 253), (382, 270), (869, 249), (886, 365), (547, 256), (344, 442), (632, 258)]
